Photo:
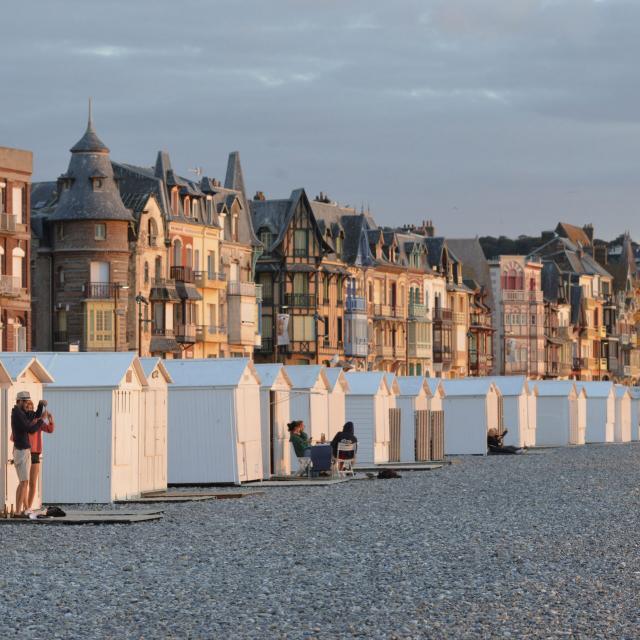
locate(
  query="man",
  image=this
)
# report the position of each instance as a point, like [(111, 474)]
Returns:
[(35, 440), (21, 426)]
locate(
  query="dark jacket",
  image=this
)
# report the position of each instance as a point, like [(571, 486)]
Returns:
[(346, 436), (22, 425), (300, 442)]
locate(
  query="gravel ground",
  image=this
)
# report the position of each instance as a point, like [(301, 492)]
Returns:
[(537, 546)]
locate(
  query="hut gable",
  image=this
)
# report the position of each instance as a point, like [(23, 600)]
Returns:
[(212, 372), (308, 377), (596, 389), (413, 386), (511, 385), (336, 376), (24, 368), (273, 376), (153, 367), (370, 383)]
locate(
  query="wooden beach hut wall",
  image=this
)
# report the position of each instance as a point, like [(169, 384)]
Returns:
[(309, 398), (275, 414), (413, 399), (516, 393), (472, 406), (635, 412), (622, 428), (214, 421), (558, 413), (601, 410), (371, 405), (336, 400), (94, 454), (153, 426), (18, 372)]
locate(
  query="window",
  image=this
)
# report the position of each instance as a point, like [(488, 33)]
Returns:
[(101, 326), (60, 231), (174, 201), (300, 283), (267, 286), (211, 264), (3, 197), (146, 273), (97, 184), (303, 328), (17, 264), (266, 238), (300, 243), (60, 276), (189, 256), (177, 253), (339, 329), (196, 259), (340, 288), (325, 288), (101, 231), (186, 205), (194, 208), (158, 269), (339, 245), (152, 230), (235, 272), (16, 198), (61, 320)]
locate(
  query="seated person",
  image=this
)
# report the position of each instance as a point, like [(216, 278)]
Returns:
[(345, 436), (495, 443), (301, 442)]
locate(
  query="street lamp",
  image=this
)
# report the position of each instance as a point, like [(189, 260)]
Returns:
[(140, 300), (117, 288)]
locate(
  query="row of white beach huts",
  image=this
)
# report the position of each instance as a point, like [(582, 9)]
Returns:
[(126, 426)]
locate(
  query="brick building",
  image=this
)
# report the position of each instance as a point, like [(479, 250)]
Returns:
[(15, 247)]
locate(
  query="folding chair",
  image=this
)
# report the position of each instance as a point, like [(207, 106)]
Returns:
[(344, 466)]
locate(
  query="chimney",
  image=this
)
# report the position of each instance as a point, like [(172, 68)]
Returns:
[(588, 229), (259, 196), (601, 253)]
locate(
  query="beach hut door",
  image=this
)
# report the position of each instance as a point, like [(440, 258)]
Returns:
[(436, 434), (423, 438), (394, 435)]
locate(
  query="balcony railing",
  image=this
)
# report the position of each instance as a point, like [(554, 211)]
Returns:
[(235, 288), (186, 333), (579, 363), (100, 290), (304, 300), (355, 304), (10, 285), (458, 317), (182, 274), (440, 314), (419, 349), (521, 296), (385, 310), (162, 332), (61, 337), (7, 223), (478, 320), (418, 311), (208, 278), (267, 345), (442, 354), (383, 350)]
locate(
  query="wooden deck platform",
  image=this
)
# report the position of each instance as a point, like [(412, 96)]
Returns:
[(293, 481), (402, 466), (179, 496), (113, 516)]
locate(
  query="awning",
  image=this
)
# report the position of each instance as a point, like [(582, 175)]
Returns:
[(163, 344), (164, 293), (267, 267), (187, 291), (335, 270), (299, 267)]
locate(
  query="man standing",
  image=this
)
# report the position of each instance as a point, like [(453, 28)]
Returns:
[(21, 427)]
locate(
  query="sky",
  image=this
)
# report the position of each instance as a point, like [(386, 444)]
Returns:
[(485, 116)]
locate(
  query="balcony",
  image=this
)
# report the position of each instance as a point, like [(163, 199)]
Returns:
[(418, 311), (209, 279), (356, 348), (61, 337), (10, 285), (266, 346), (101, 290), (419, 349), (162, 332), (442, 355), (182, 274), (480, 321), (383, 351), (210, 333), (442, 315), (247, 289), (8, 223), (301, 300), (355, 304), (186, 333), (458, 317), (509, 295), (579, 363), (400, 351)]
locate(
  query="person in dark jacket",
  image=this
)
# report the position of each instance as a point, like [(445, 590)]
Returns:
[(345, 436), (21, 426), (495, 443)]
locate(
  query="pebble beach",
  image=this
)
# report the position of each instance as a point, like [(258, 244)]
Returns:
[(543, 545)]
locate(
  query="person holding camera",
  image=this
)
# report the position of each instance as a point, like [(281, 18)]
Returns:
[(22, 425), (36, 448)]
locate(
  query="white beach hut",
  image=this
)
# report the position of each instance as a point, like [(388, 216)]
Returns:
[(371, 406), (336, 400), (622, 429), (635, 412), (601, 410), (413, 399), (560, 413), (214, 421), (96, 400), (516, 393), (309, 398), (275, 414), (153, 426), (472, 406), (18, 372)]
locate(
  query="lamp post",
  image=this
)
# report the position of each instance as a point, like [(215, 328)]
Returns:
[(141, 300), (117, 287)]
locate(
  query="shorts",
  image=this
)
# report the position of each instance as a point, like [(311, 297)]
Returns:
[(22, 463), (35, 458)]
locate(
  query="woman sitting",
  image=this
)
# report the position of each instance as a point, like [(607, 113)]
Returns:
[(344, 437), (495, 443), (301, 443)]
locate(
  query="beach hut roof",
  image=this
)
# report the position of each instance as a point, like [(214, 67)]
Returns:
[(14, 365), (305, 376), (634, 392), (510, 385), (557, 388), (468, 387), (597, 389), (412, 385), (210, 372), (91, 369), (435, 386), (622, 391), (269, 374), (149, 365), (335, 375), (366, 383)]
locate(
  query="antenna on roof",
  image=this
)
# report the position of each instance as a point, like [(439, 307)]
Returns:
[(197, 171), (90, 120)]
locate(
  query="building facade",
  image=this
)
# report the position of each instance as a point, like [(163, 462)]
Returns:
[(15, 249)]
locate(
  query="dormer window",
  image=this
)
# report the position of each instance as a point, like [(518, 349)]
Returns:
[(97, 184), (194, 208), (266, 238), (100, 231), (339, 245)]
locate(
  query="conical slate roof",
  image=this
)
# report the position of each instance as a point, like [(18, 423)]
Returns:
[(89, 191)]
